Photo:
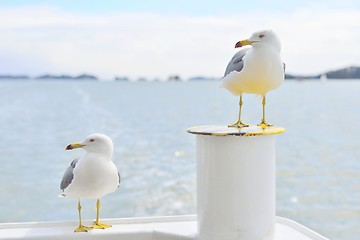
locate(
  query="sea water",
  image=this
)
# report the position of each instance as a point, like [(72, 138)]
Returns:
[(318, 158)]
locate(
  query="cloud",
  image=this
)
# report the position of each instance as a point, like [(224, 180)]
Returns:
[(48, 39)]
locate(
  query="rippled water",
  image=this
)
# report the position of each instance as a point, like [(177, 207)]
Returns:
[(318, 158)]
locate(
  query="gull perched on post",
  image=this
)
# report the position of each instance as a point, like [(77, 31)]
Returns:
[(256, 70), (92, 176)]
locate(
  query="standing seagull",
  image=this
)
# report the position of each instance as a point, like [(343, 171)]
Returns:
[(91, 176), (256, 70)]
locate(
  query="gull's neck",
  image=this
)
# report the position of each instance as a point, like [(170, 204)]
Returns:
[(105, 155), (267, 46)]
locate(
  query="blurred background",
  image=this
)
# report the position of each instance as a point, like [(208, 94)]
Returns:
[(157, 38), (142, 72)]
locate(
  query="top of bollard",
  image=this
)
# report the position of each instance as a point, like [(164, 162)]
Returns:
[(218, 130)]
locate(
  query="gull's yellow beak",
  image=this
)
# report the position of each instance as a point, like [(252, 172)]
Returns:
[(243, 43), (74, 145)]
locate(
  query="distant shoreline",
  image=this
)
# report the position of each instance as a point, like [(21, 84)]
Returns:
[(349, 73)]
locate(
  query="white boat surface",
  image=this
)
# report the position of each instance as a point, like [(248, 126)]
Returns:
[(146, 228)]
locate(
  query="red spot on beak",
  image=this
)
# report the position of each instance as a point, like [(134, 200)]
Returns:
[(238, 44), (69, 147)]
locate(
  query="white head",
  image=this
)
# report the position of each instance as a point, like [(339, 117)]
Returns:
[(94, 143), (261, 38)]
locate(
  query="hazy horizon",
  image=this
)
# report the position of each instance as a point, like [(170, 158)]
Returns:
[(161, 38)]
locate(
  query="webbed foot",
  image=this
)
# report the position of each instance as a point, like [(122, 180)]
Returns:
[(99, 225), (82, 228), (264, 124), (239, 124)]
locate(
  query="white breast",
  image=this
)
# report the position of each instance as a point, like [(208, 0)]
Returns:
[(93, 178), (263, 71)]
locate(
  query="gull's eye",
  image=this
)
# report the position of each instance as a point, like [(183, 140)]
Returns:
[(261, 36), (92, 140)]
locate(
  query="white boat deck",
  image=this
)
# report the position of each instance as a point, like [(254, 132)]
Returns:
[(151, 228)]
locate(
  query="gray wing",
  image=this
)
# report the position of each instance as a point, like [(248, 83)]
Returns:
[(68, 175), (119, 178), (236, 63)]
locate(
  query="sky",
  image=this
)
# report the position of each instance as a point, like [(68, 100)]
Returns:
[(159, 38)]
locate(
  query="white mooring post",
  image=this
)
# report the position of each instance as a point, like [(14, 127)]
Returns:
[(235, 182)]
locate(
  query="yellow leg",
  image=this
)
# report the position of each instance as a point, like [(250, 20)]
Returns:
[(263, 123), (239, 124), (81, 227), (97, 223)]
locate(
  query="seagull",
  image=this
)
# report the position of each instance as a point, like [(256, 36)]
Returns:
[(257, 70), (92, 176)]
